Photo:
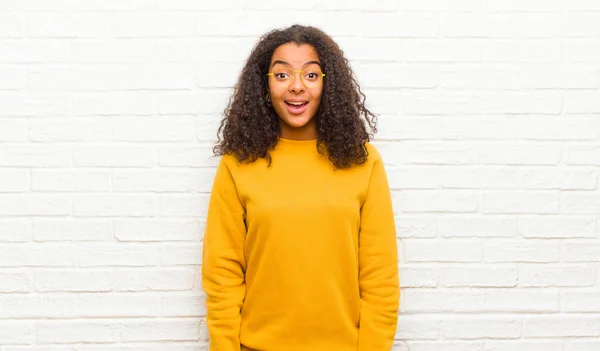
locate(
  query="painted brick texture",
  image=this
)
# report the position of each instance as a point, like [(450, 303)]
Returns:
[(489, 119)]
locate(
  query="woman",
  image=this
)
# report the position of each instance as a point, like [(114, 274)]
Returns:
[(300, 248)]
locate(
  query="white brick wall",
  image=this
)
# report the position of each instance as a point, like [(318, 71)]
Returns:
[(489, 126)]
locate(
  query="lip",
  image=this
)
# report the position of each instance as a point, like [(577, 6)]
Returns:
[(297, 110)]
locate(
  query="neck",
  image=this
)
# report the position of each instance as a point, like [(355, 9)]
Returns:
[(306, 132)]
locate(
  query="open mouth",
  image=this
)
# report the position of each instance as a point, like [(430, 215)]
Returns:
[(296, 107), (296, 103)]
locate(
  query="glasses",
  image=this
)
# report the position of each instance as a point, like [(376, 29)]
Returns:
[(311, 77)]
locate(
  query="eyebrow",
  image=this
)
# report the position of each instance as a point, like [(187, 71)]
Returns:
[(287, 63)]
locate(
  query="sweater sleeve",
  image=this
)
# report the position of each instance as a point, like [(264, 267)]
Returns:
[(223, 262), (378, 266)]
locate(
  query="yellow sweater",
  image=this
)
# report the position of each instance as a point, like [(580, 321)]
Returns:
[(300, 257)]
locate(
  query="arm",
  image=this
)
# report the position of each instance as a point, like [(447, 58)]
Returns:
[(223, 263), (378, 265)]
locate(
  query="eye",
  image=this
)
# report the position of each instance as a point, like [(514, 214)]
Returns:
[(311, 76), (281, 75)]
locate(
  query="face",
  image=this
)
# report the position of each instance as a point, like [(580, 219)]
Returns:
[(296, 100)]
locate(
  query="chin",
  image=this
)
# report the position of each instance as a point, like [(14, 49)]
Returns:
[(297, 121)]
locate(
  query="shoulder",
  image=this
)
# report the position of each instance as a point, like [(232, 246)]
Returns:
[(235, 166), (373, 153)]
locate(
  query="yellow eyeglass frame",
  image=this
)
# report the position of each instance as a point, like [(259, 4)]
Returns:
[(272, 74)]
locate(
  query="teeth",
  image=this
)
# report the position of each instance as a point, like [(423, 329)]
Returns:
[(296, 103)]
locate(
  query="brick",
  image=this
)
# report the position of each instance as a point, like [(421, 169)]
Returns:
[(185, 156), (542, 275), (477, 226), (17, 332), (11, 282), (522, 5), (115, 103), (420, 327), (519, 154), (446, 345), (15, 230), (177, 255), (33, 106), (116, 305), (86, 331), (476, 327), (582, 154), (581, 50), (31, 306), (584, 302), (68, 26), (13, 78), (69, 229), (183, 205), (73, 281), (561, 326), (354, 5), (559, 128), (557, 227), (68, 79), (582, 345), (157, 230), (159, 129), (520, 251), (440, 153), (478, 178), (80, 130), (35, 50), (10, 27), (191, 5), (112, 205), (26, 255), (144, 25), (582, 5), (183, 306), (78, 6), (581, 24), (183, 329), (581, 102), (116, 255), (452, 201), (394, 25), (12, 130), (111, 155), (34, 205), (70, 181), (396, 76), (35, 156), (413, 276), (541, 202), (16, 181), (489, 300), (524, 345), (581, 251), (203, 102), (114, 51), (165, 78), (514, 25), (482, 276), (164, 279), (579, 203), (426, 250)]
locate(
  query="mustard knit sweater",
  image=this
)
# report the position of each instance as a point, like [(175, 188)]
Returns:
[(299, 256)]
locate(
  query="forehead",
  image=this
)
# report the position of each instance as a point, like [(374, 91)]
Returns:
[(295, 54)]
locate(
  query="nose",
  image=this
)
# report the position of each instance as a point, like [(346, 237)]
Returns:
[(297, 85)]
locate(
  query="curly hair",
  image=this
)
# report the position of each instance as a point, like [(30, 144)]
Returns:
[(250, 127)]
